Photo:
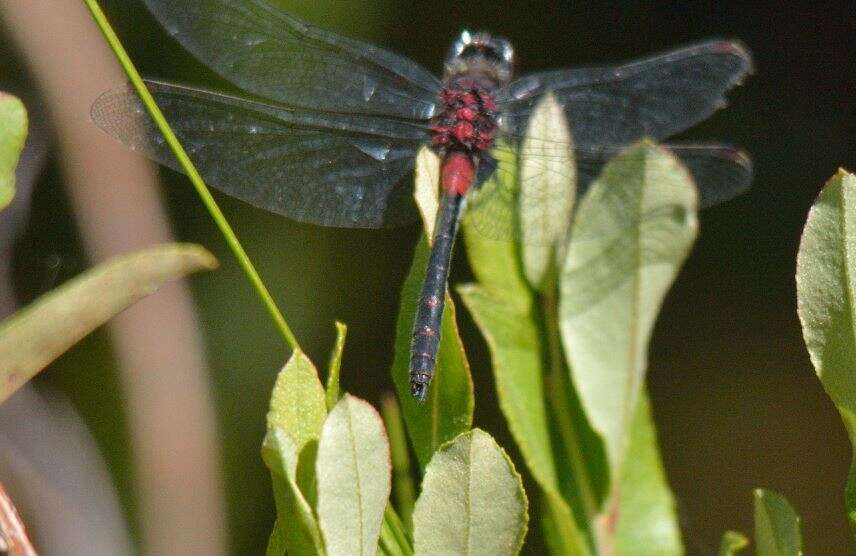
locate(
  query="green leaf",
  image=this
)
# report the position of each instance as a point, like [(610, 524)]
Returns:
[(513, 340), (448, 410), (13, 133), (472, 500), (427, 183), (732, 543), (826, 302), (295, 530), (647, 521), (502, 307), (33, 337), (277, 543), (335, 366), (353, 473), (777, 527), (294, 421), (547, 187), (297, 404), (630, 236)]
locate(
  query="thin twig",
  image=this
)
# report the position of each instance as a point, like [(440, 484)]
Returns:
[(13, 536)]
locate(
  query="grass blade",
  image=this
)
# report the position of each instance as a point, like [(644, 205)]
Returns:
[(193, 174)]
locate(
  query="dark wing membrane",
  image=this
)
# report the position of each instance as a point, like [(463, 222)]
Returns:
[(326, 169), (268, 53), (654, 97), (720, 172)]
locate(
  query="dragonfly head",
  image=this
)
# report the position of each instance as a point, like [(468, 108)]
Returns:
[(481, 53)]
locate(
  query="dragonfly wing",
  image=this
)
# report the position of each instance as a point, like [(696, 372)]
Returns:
[(653, 97), (268, 53), (327, 169), (720, 173)]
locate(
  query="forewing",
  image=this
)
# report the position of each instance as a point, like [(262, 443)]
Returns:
[(327, 169), (654, 97), (271, 54)]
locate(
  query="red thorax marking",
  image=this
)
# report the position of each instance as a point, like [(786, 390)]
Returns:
[(462, 131)]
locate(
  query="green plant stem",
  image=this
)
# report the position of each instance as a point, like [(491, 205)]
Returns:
[(192, 173), (558, 385), (393, 538), (335, 366)]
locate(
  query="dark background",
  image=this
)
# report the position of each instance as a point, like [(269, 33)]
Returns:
[(735, 398)]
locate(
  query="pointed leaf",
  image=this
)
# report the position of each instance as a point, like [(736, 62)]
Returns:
[(647, 521), (353, 473), (13, 133), (295, 418), (472, 500), (297, 404), (777, 527), (547, 187), (826, 302), (732, 543), (630, 236), (33, 337)]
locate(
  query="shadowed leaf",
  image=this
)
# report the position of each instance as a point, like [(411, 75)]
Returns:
[(448, 410), (777, 527), (826, 302), (628, 240), (732, 543)]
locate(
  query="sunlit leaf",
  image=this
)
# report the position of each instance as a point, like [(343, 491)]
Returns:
[(826, 290), (547, 187), (777, 527), (33, 337), (13, 133), (353, 474), (629, 237), (502, 306), (427, 184), (732, 543), (294, 421), (647, 520), (472, 501)]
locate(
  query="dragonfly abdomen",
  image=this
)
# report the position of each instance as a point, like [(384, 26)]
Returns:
[(432, 300)]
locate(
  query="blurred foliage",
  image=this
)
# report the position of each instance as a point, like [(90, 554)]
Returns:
[(732, 392)]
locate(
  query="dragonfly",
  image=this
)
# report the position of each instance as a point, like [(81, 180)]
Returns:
[(323, 128)]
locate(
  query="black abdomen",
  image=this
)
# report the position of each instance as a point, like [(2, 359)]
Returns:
[(429, 313)]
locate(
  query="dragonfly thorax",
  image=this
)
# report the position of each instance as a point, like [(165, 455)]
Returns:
[(467, 119), (463, 130)]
